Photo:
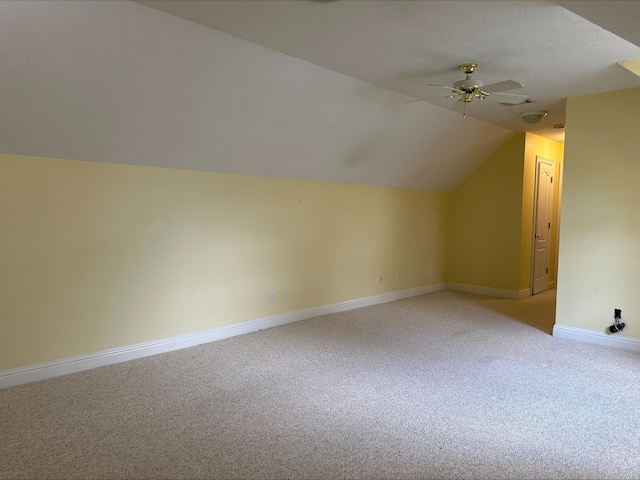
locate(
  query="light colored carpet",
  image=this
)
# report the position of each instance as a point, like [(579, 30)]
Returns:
[(445, 385)]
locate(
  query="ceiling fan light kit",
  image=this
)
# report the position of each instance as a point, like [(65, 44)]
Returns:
[(469, 87), (534, 116)]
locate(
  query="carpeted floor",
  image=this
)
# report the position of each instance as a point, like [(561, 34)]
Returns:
[(445, 385)]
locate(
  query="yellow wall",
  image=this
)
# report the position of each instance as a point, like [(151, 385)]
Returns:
[(491, 217), (485, 221), (537, 146), (96, 256), (599, 267)]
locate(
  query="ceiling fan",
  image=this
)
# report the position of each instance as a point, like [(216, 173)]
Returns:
[(468, 89)]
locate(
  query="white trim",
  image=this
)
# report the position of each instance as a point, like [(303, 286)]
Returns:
[(524, 293), (490, 291), (42, 371), (599, 338), (558, 217)]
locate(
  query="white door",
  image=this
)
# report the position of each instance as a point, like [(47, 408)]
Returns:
[(542, 225)]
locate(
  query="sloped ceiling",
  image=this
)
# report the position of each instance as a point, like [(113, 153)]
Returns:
[(556, 49), (116, 81)]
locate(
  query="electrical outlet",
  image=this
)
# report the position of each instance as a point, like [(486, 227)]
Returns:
[(272, 295), (380, 279), (431, 269), (397, 276), (617, 313)]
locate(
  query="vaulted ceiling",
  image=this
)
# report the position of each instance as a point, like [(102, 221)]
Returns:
[(404, 45), (297, 89)]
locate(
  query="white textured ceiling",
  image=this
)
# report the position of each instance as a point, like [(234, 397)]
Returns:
[(403, 45), (292, 89), (114, 81)]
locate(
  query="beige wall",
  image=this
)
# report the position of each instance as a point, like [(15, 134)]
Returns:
[(485, 220), (96, 256), (599, 267)]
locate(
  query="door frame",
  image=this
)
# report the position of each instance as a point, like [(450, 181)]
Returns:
[(540, 159), (557, 230)]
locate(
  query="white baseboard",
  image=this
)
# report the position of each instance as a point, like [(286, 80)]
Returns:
[(42, 371), (599, 338), (490, 291), (524, 293)]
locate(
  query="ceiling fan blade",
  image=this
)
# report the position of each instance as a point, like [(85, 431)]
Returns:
[(509, 94), (501, 86), (427, 99), (445, 86)]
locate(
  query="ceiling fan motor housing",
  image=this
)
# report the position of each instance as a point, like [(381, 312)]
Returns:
[(468, 84), (470, 88)]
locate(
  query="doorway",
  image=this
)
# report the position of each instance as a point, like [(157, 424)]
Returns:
[(542, 220)]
